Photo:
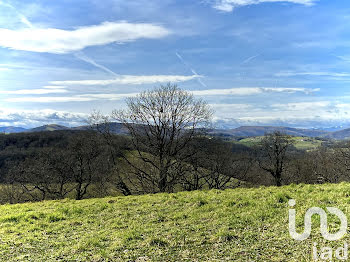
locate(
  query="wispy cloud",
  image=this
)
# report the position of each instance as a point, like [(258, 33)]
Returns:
[(22, 18), (65, 99), (231, 106), (344, 58), (52, 40), (108, 96), (128, 80), (246, 91), (243, 91), (42, 91), (302, 106), (48, 99), (229, 5), (54, 87), (332, 74)]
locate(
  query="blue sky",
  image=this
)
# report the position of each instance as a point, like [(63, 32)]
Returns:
[(256, 62)]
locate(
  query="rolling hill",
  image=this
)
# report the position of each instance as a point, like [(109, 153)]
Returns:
[(115, 128), (341, 134), (52, 127), (243, 131)]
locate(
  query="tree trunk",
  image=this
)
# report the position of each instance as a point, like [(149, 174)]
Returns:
[(162, 181), (278, 179), (78, 195)]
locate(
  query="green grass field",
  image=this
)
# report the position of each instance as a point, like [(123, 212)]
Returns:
[(232, 225), (304, 143)]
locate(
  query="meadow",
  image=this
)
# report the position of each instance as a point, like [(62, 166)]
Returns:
[(302, 143), (243, 224)]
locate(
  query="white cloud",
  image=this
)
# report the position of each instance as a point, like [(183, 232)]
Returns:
[(229, 5), (43, 91), (231, 106), (343, 106), (52, 40), (245, 91), (64, 99), (108, 96), (33, 118), (48, 99), (129, 80), (302, 106), (332, 74), (54, 87), (298, 114), (306, 114)]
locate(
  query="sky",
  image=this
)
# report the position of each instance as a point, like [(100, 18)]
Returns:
[(256, 62)]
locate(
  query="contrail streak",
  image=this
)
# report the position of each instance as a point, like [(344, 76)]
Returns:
[(192, 70), (85, 58), (23, 19), (344, 58), (249, 59)]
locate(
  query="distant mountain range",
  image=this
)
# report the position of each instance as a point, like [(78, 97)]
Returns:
[(243, 131), (116, 128), (249, 131), (12, 129)]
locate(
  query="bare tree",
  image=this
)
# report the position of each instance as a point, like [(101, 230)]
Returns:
[(102, 124), (272, 154), (43, 174), (86, 162), (223, 165), (161, 123), (194, 173), (30, 179)]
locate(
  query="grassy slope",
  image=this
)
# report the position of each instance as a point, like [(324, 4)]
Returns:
[(232, 225)]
